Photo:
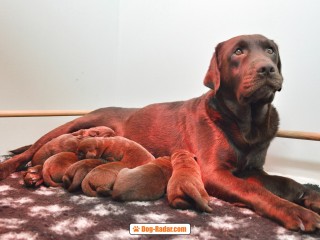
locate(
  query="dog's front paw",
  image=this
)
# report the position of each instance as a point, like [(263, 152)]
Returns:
[(297, 218)]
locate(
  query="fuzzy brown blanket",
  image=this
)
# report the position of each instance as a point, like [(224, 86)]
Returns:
[(54, 213)]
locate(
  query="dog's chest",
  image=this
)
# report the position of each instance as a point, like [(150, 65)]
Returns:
[(250, 158)]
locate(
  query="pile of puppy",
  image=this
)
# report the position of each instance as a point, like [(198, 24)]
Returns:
[(100, 163)]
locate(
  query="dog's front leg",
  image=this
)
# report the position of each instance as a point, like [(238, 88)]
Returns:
[(223, 184), (285, 188)]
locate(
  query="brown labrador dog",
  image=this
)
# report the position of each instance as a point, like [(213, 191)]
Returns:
[(55, 167), (185, 188), (74, 174), (229, 129), (143, 183)]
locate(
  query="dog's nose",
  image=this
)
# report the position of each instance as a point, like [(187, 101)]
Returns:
[(266, 69)]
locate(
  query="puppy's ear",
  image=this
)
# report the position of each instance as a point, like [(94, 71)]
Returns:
[(212, 78)]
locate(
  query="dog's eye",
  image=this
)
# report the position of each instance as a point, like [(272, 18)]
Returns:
[(238, 51), (270, 50)]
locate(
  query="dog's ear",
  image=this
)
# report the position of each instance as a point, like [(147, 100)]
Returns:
[(279, 64), (278, 55), (212, 78)]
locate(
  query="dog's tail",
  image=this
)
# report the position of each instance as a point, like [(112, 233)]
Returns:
[(20, 150)]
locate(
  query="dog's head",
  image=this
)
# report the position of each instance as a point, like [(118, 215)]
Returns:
[(246, 69)]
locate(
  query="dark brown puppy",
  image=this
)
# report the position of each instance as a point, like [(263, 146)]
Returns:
[(115, 149), (229, 129), (100, 180), (185, 188), (68, 143), (144, 183), (74, 175), (55, 167)]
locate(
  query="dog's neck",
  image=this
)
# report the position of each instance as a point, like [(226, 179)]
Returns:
[(252, 120)]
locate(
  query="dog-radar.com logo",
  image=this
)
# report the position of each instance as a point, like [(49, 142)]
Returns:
[(160, 228)]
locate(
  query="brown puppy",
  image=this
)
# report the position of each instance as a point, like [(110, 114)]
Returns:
[(99, 181), (115, 149), (68, 143), (144, 183), (74, 175), (185, 188), (55, 167), (33, 176), (63, 143)]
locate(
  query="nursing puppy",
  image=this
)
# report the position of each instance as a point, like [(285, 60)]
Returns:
[(120, 151), (144, 183), (68, 143), (185, 188), (33, 176), (75, 174), (114, 149), (63, 143), (99, 181), (55, 167)]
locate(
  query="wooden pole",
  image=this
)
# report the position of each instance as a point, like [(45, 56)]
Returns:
[(50, 113), (43, 113), (299, 135)]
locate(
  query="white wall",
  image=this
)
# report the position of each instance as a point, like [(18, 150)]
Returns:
[(54, 55), (87, 54)]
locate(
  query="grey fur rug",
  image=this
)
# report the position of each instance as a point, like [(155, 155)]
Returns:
[(53, 213)]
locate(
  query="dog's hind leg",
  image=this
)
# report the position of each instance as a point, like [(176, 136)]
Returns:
[(12, 164)]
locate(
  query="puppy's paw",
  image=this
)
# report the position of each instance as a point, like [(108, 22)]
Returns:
[(180, 203), (33, 176), (104, 191), (204, 206), (202, 202)]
